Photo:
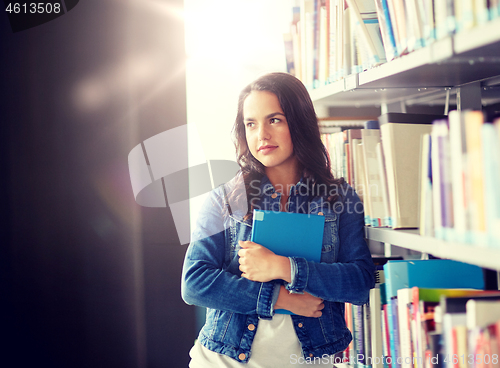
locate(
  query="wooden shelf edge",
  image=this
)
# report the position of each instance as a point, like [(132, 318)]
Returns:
[(482, 256)]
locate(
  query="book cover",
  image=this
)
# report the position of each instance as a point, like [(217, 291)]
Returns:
[(400, 14), (426, 213), (459, 171), (422, 273), (386, 346), (385, 23), (441, 181), (395, 25), (358, 334), (367, 335), (373, 188), (376, 311), (404, 299), (289, 234), (401, 136), (366, 24), (473, 125), (491, 155), (394, 339), (450, 322), (358, 169), (383, 183)]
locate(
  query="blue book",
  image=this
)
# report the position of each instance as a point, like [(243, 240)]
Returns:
[(289, 234), (432, 273)]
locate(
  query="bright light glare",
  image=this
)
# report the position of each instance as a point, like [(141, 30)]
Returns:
[(233, 31)]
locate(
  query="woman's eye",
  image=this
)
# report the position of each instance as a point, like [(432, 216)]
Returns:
[(249, 124), (275, 120)]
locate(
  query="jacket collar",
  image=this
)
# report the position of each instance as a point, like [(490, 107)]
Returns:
[(267, 188)]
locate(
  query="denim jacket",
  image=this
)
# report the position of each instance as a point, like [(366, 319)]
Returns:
[(211, 276)]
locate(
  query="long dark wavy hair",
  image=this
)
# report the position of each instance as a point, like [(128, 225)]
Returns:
[(304, 130)]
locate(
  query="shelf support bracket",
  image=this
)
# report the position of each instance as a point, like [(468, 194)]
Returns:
[(469, 97)]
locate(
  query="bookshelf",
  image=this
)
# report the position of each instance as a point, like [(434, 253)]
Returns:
[(469, 59), (461, 69), (444, 65), (411, 239)]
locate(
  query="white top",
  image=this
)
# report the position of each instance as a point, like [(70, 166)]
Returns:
[(275, 345)]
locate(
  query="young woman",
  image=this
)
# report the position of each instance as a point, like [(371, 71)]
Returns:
[(284, 167)]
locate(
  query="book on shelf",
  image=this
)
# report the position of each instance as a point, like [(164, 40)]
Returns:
[(366, 25), (458, 154), (384, 324), (358, 334), (426, 227), (404, 297), (341, 37), (387, 34), (384, 185), (359, 171), (458, 304), (398, 16), (401, 135), (482, 313), (441, 180), (415, 25), (376, 311), (473, 125), (454, 326), (491, 157), (374, 199)]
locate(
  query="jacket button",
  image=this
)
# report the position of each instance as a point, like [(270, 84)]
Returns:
[(274, 195), (320, 213), (251, 327), (242, 356), (311, 355), (300, 325)]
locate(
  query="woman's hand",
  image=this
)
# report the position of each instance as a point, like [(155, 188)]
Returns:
[(301, 304), (258, 263)]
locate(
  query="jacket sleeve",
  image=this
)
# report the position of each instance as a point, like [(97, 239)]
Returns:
[(351, 278), (206, 282)]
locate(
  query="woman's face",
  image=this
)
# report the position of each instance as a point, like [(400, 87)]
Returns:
[(267, 133)]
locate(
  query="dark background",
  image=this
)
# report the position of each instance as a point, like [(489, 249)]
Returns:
[(88, 277)]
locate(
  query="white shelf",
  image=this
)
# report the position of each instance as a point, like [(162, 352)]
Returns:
[(410, 239), (469, 56)]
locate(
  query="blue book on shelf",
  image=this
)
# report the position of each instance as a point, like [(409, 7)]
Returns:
[(432, 273), (289, 234)]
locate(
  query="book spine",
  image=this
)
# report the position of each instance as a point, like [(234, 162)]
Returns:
[(367, 334), (458, 174), (473, 126), (384, 21), (383, 185), (437, 188), (357, 315), (491, 154), (376, 327), (393, 330)]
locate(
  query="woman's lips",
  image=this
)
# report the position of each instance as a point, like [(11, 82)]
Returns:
[(267, 149)]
